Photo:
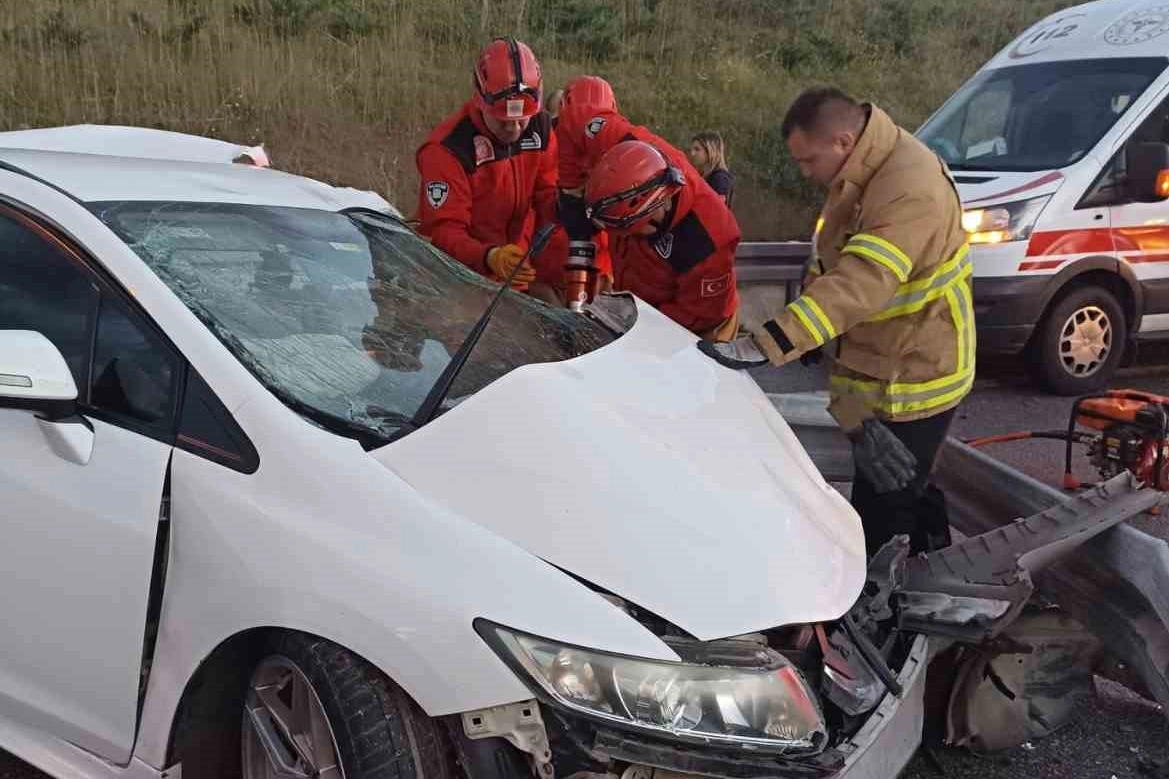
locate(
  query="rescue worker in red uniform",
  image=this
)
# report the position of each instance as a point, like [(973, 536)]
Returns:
[(487, 174), (671, 237)]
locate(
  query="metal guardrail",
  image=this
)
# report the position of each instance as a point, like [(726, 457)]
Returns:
[(1117, 585), (772, 263)]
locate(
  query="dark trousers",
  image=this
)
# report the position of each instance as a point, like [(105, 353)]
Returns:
[(919, 510)]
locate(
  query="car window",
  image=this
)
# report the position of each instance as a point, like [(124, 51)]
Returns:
[(133, 371), (42, 289), (123, 369)]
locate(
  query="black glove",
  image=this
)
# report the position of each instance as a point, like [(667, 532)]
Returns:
[(738, 354), (813, 357), (881, 457), (571, 210)]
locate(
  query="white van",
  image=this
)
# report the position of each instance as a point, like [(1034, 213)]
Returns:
[(1059, 146)]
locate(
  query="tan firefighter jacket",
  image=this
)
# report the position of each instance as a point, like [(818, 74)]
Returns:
[(890, 278)]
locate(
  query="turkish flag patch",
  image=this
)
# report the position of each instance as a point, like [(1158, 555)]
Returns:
[(712, 288)]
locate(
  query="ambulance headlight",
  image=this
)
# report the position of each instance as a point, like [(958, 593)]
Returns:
[(1002, 223), (770, 710)]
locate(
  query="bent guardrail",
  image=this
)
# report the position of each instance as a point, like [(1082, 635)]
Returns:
[(1117, 585)]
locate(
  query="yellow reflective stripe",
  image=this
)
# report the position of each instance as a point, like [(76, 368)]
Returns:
[(907, 397), (807, 322), (903, 398), (821, 316), (884, 252), (915, 296), (961, 311), (958, 258), (895, 398), (879, 258), (813, 318)]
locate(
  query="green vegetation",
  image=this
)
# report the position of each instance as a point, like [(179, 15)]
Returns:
[(345, 90)]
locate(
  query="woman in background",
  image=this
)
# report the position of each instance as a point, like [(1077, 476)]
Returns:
[(708, 154)]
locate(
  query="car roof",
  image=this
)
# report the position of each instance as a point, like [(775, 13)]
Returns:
[(1097, 30), (99, 175), (120, 141)]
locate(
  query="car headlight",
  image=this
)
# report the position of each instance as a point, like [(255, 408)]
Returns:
[(1006, 222), (761, 709)]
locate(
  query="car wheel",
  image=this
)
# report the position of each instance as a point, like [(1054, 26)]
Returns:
[(1080, 343), (314, 709)]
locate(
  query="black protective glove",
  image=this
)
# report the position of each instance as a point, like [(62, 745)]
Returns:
[(737, 354), (572, 213), (881, 457), (813, 357)]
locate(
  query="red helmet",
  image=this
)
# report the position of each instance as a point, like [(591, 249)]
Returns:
[(593, 92), (508, 80), (629, 183)]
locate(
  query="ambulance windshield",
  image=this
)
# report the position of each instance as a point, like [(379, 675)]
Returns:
[(349, 318), (1036, 117)]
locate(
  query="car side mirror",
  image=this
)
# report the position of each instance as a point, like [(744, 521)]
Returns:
[(1147, 166), (33, 374)]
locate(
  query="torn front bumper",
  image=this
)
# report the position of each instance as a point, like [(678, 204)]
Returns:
[(879, 750)]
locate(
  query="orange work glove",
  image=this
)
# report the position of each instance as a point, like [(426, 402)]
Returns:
[(502, 260)]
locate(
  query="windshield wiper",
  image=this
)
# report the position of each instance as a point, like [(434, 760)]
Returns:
[(442, 387)]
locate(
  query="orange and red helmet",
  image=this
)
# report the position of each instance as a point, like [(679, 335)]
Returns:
[(631, 181), (592, 92), (508, 81)]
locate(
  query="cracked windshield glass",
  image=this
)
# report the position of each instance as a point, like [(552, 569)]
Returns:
[(351, 316)]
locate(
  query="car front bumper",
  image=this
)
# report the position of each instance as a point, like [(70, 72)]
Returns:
[(879, 750)]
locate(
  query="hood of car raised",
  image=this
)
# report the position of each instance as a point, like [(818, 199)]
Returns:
[(650, 471)]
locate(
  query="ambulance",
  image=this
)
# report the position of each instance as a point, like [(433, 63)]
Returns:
[(1059, 147)]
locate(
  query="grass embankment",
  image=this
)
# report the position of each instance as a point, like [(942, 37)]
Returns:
[(345, 90)]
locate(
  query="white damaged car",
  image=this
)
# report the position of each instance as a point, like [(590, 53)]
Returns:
[(257, 525)]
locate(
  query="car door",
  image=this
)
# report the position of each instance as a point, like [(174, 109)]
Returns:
[(79, 532), (1141, 232)]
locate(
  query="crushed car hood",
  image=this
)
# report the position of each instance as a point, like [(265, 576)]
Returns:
[(650, 471)]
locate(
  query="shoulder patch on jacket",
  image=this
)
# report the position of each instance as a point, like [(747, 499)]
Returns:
[(484, 150), (688, 244), (463, 142), (594, 126), (537, 134), (436, 193)]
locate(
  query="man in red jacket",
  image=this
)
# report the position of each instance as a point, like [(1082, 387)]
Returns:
[(673, 238), (487, 174), (677, 252)]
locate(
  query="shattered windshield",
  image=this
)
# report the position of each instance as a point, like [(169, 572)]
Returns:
[(1036, 117), (351, 316)]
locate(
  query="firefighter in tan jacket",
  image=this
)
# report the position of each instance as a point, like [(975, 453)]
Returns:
[(890, 282)]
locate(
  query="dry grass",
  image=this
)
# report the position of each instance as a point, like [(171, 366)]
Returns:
[(344, 90)]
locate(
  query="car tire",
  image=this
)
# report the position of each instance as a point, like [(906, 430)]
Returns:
[(375, 729), (1080, 342), (325, 693)]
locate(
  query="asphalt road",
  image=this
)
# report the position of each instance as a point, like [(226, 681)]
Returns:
[(1118, 731)]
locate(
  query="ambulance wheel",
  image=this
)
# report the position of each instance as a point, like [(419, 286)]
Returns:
[(1080, 342)]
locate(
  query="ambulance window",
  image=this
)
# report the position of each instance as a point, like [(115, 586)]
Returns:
[(985, 128), (1040, 116), (1155, 128), (1108, 189)]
